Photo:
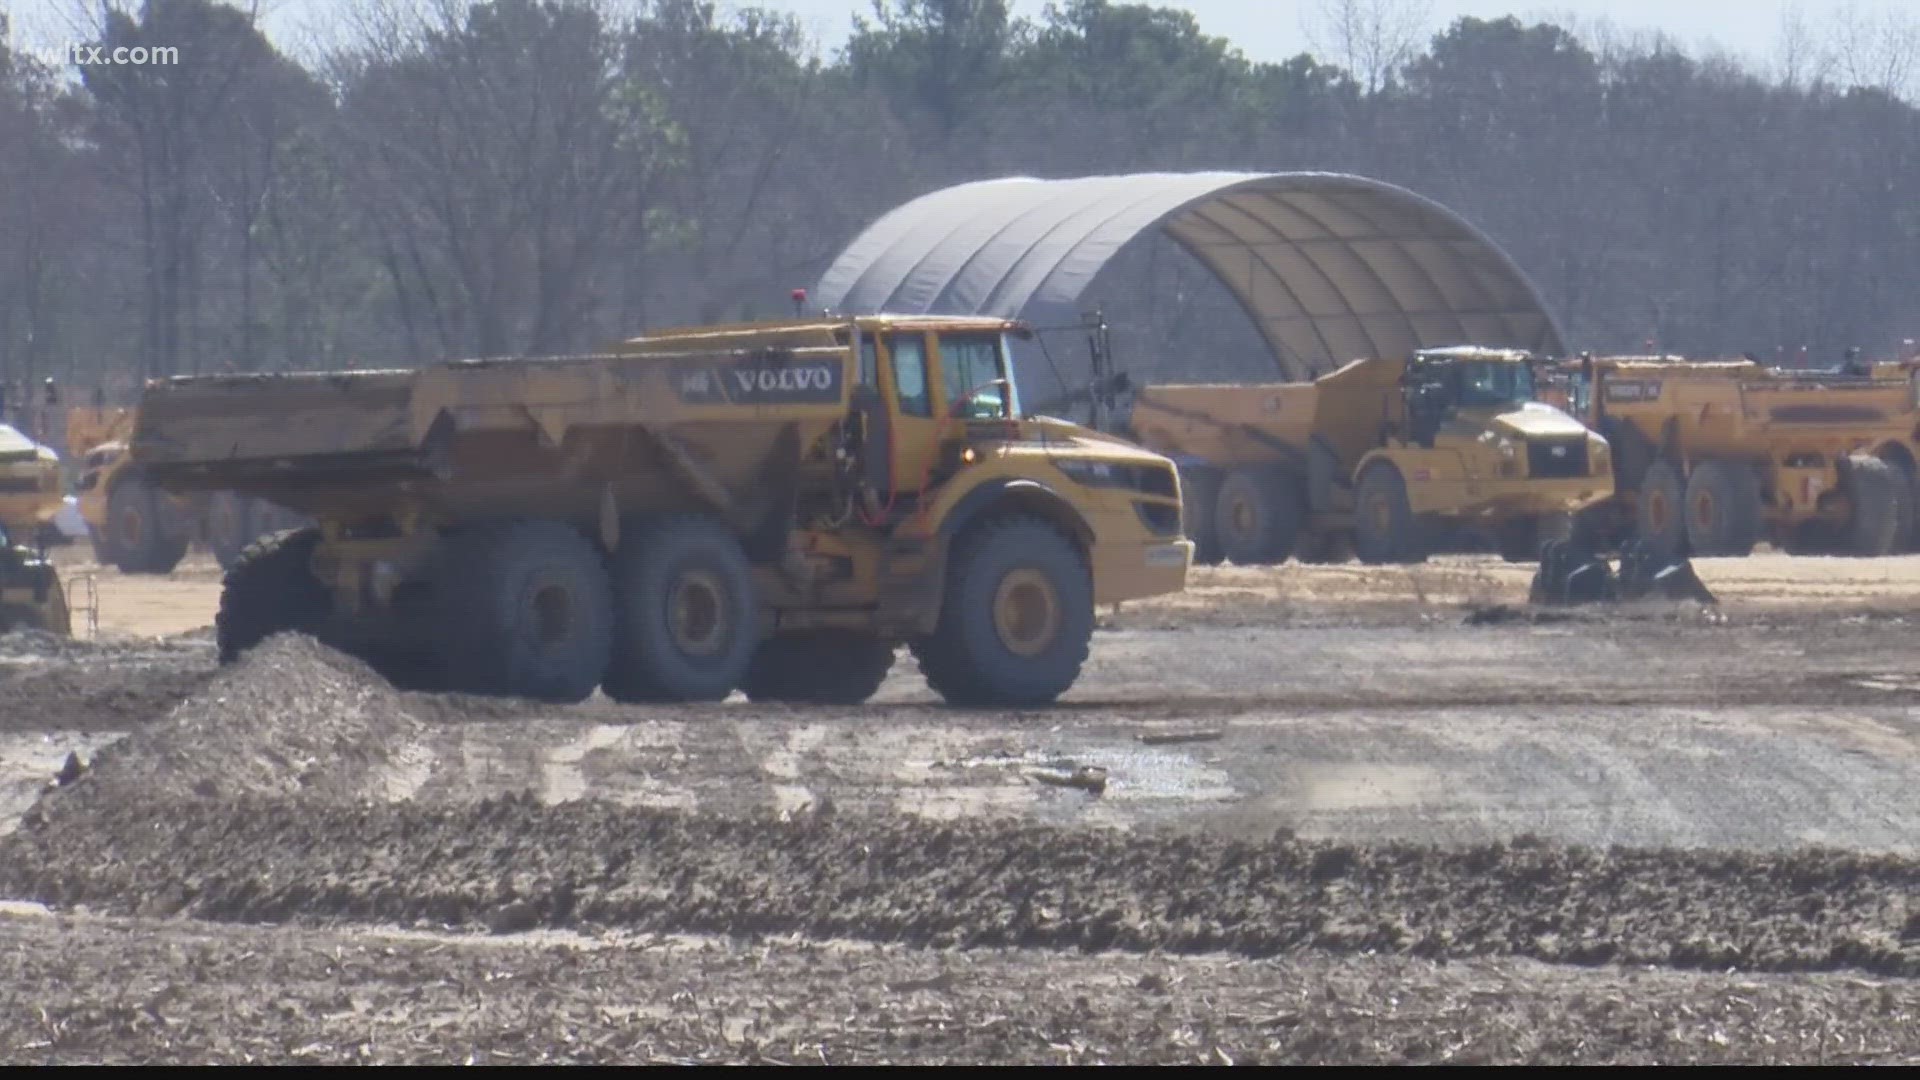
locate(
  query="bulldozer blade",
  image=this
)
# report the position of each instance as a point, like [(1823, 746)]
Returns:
[(1570, 573)]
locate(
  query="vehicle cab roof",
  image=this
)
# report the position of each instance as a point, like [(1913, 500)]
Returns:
[(1475, 352), (816, 330)]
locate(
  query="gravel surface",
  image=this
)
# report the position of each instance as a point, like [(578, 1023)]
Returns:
[(1466, 833)]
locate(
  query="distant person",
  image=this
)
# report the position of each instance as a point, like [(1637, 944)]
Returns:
[(1853, 364)]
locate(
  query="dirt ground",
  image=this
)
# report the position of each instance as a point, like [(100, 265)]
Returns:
[(1305, 814)]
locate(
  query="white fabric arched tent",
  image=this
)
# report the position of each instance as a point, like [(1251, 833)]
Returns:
[(1329, 267)]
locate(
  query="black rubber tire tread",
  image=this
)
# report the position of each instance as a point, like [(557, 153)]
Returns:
[(1904, 539), (646, 665), (483, 589), (21, 617), (1874, 488), (228, 538), (270, 589), (964, 660), (1663, 477), (1279, 510), (818, 667), (1520, 540), (1199, 494), (103, 550), (1401, 540), (1735, 493), (158, 551)]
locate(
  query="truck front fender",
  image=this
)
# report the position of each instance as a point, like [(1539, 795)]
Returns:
[(1027, 496)]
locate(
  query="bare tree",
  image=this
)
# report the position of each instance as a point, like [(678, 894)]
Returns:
[(1877, 49), (1372, 39)]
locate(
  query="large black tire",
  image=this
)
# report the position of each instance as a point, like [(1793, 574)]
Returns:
[(1258, 515), (230, 526), (21, 617), (818, 667), (1199, 495), (1904, 539), (1723, 509), (686, 619), (1876, 492), (1016, 617), (1385, 528), (526, 610), (271, 589), (141, 541), (104, 552), (1660, 516)]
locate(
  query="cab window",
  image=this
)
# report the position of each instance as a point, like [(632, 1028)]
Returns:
[(869, 362), (1579, 396), (969, 364), (910, 375)]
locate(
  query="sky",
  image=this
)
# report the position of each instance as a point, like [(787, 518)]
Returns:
[(1268, 30)]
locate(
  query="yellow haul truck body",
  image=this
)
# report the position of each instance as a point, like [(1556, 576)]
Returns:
[(1713, 456), (140, 529), (770, 508), (1391, 455), (31, 488)]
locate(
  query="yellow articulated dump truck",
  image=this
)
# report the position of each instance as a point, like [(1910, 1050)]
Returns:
[(770, 508), (138, 528), (1399, 458), (1713, 456), (31, 597), (31, 487)]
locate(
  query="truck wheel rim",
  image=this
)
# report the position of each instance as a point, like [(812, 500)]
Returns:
[(696, 613), (552, 616), (1657, 512), (1703, 510), (1380, 512), (1240, 516), (1026, 612)]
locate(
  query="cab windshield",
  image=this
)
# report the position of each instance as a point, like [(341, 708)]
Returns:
[(1485, 384)]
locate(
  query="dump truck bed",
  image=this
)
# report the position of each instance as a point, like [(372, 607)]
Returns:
[(544, 435)]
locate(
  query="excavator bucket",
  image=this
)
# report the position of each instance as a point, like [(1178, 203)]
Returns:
[(1571, 573)]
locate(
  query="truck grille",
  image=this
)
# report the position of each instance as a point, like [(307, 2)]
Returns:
[(1557, 457)]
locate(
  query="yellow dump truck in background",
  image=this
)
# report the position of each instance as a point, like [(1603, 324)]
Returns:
[(1396, 457), (138, 528), (770, 508), (1713, 456)]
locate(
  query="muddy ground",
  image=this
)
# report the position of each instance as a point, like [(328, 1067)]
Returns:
[(1312, 814)]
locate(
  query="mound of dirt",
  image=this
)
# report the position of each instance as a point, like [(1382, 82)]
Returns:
[(514, 863), (291, 717)]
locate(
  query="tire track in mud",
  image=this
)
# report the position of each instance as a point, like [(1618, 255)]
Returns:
[(969, 884)]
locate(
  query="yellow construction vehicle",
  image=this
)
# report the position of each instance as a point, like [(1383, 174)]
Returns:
[(31, 488), (31, 596), (1712, 456), (142, 530), (1399, 457), (769, 508)]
